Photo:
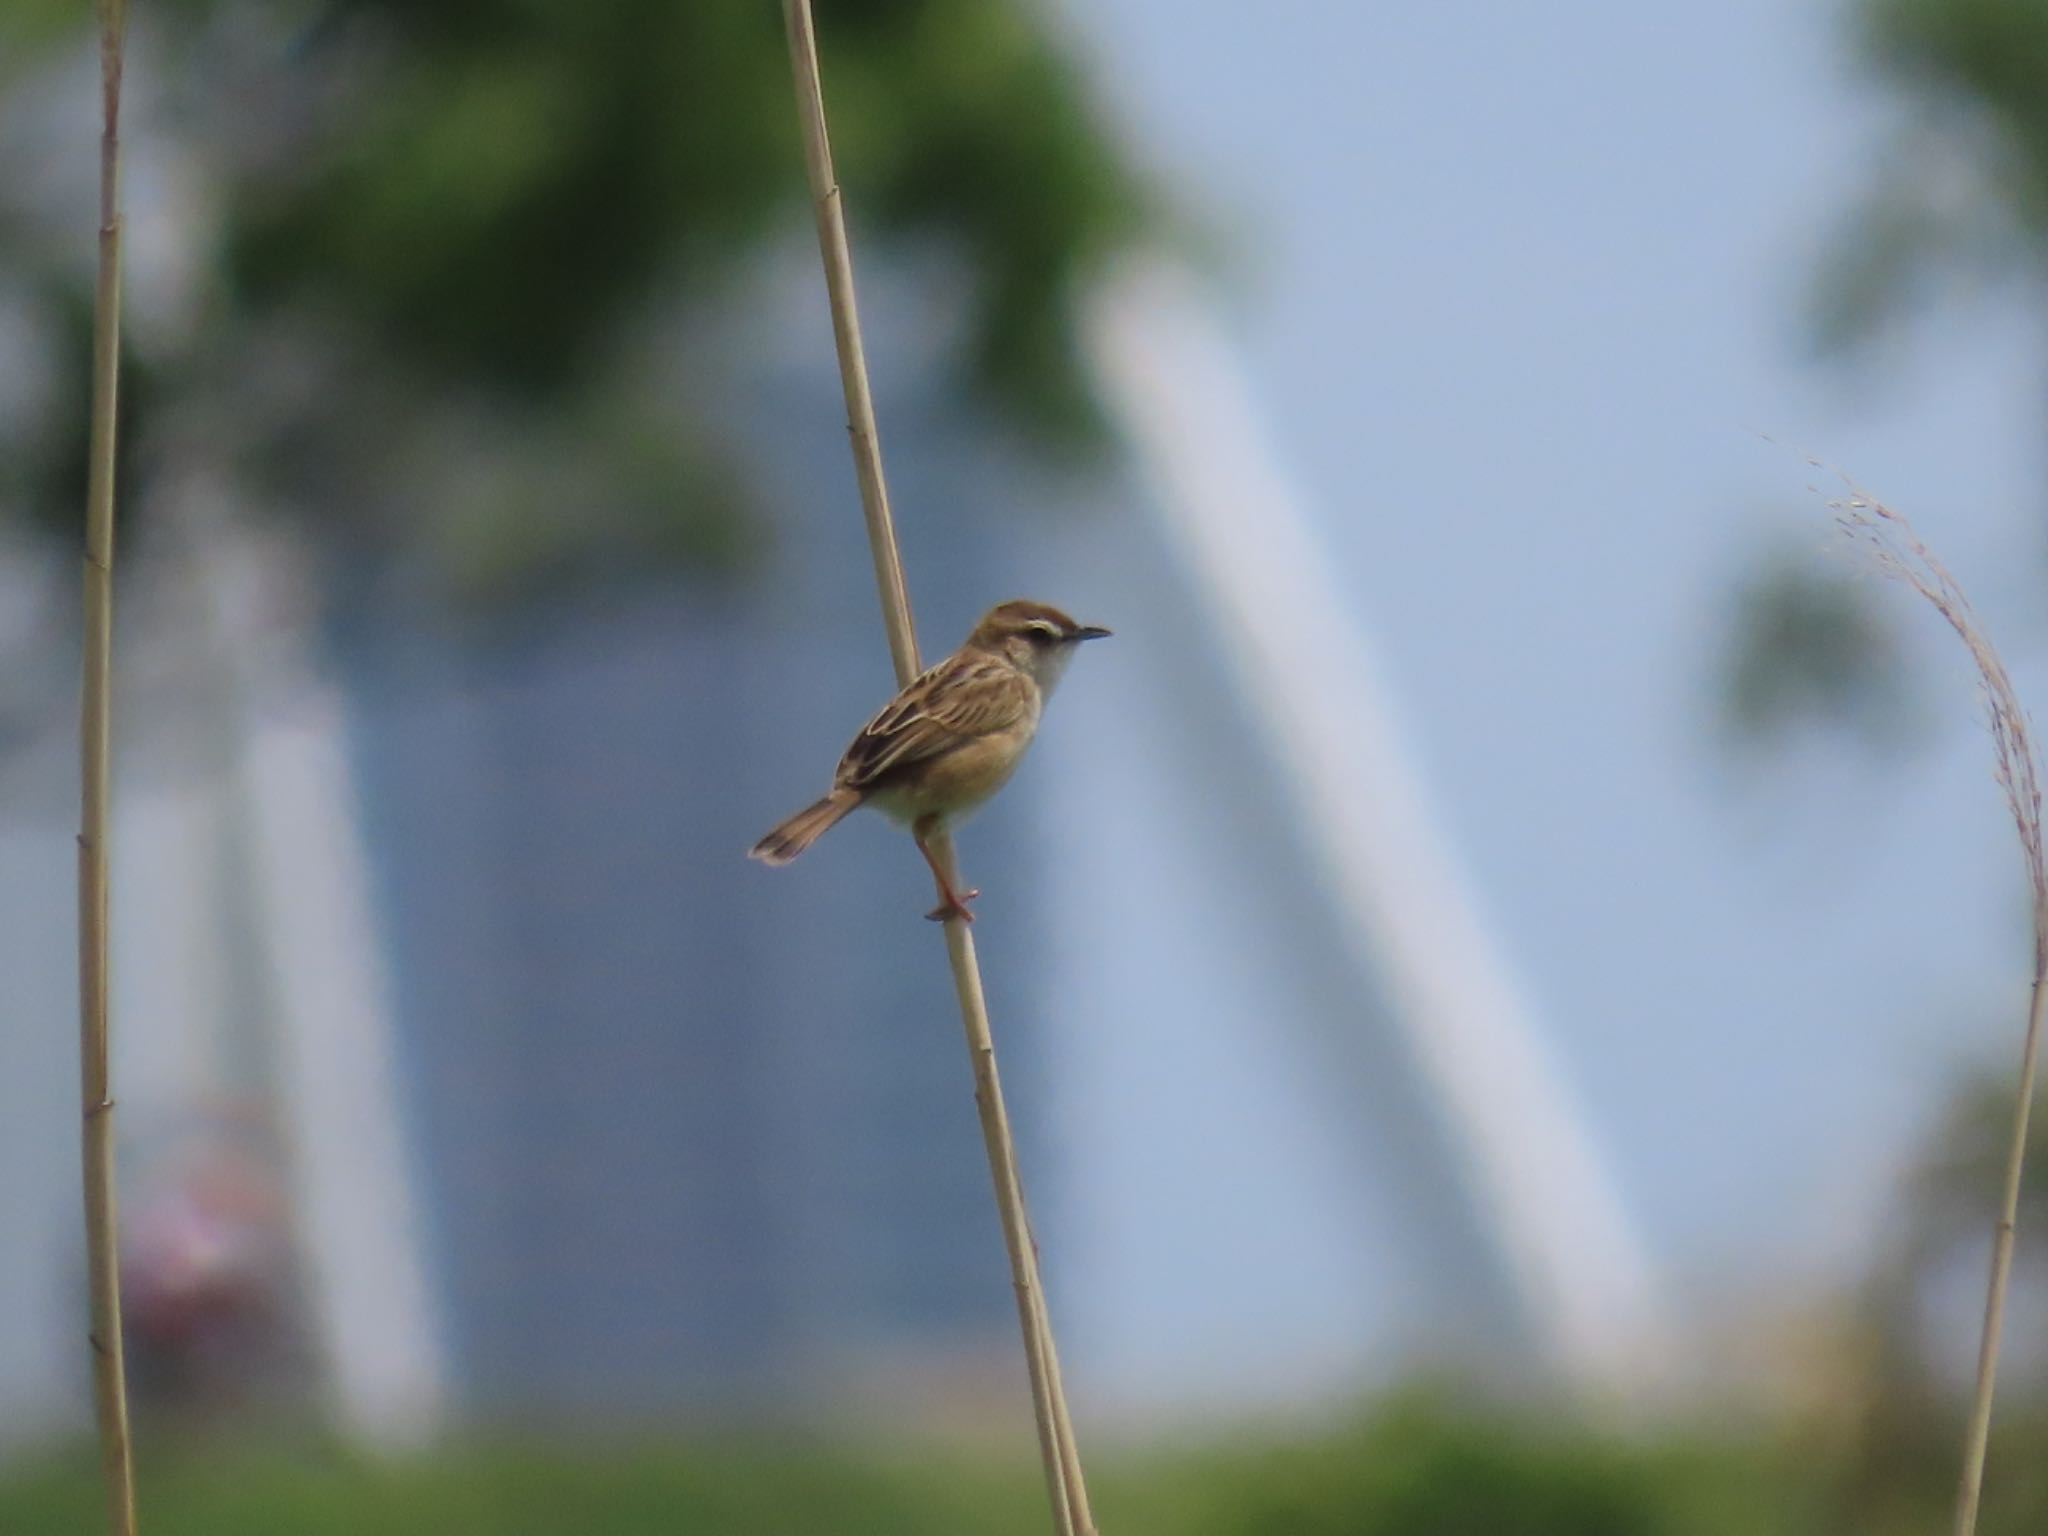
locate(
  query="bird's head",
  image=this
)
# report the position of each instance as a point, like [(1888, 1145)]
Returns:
[(1034, 637)]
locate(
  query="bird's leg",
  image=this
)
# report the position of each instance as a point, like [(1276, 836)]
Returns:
[(955, 904)]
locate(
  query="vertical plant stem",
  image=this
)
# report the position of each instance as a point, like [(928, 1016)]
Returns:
[(1062, 1423), (1886, 535), (110, 1385), (853, 361), (1057, 1450), (1054, 1449), (1971, 1488)]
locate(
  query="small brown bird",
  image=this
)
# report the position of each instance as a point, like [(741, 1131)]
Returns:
[(949, 740)]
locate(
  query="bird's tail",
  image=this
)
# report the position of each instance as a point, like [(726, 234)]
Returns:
[(804, 828)]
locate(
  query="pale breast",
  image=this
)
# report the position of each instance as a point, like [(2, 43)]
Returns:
[(957, 781)]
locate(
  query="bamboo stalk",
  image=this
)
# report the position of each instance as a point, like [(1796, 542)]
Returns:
[(110, 1386), (1057, 1450)]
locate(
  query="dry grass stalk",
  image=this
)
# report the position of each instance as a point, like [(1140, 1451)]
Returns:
[(110, 1386), (1065, 1486), (1890, 541)]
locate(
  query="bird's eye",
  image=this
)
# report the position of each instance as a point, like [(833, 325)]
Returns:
[(1041, 633)]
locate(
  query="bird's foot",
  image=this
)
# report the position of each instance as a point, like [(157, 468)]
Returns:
[(953, 906)]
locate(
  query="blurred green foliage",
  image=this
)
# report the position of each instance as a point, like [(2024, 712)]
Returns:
[(495, 189), (1808, 644), (1955, 208), (447, 244), (1410, 1471), (1415, 1470), (1958, 198)]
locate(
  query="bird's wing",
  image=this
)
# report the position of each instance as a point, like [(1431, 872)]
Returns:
[(961, 698)]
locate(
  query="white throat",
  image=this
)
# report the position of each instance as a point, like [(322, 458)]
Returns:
[(1049, 665)]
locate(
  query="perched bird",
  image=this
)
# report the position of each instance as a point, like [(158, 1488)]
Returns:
[(949, 740)]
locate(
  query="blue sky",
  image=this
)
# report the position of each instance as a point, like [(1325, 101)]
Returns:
[(1520, 290)]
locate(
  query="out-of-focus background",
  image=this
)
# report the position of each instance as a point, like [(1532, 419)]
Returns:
[(1507, 966)]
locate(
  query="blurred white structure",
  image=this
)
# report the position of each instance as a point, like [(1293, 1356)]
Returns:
[(250, 1005), (1310, 690), (322, 973)]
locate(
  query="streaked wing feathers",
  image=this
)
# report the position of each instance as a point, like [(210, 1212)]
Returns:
[(961, 698)]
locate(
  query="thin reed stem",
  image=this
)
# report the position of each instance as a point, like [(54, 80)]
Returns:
[(1063, 1424), (1970, 1489), (1898, 551), (103, 1261), (1064, 1484)]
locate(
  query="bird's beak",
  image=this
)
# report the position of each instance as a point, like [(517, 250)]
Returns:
[(1090, 632)]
